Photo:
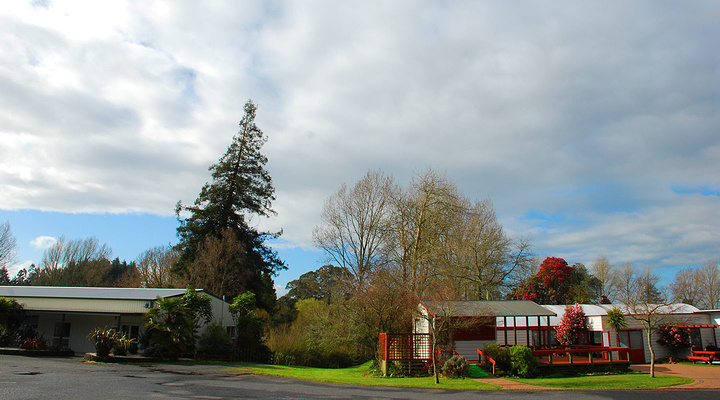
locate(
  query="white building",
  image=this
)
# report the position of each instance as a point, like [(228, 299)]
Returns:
[(66, 315), (476, 323), (514, 323)]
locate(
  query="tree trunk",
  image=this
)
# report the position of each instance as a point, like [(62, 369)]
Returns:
[(652, 353), (434, 352)]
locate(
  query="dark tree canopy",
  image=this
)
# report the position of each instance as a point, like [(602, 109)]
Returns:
[(559, 283), (320, 284), (241, 188), (4, 277)]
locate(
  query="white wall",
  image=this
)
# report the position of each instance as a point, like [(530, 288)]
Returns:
[(468, 348), (221, 314), (80, 326)]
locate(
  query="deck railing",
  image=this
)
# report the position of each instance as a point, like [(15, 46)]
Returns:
[(583, 355), (482, 356)]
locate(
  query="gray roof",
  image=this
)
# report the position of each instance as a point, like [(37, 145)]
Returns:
[(60, 292), (486, 308)]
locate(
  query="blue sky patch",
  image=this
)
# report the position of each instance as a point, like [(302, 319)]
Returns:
[(703, 190)]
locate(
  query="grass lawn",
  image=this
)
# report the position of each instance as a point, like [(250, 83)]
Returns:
[(698, 364), (627, 381), (358, 376)]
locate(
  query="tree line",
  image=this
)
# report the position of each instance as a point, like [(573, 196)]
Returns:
[(388, 245), (426, 235)]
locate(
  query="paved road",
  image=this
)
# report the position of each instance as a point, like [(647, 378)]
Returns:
[(48, 378)]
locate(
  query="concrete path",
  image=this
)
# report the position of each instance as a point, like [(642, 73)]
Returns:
[(705, 377), (507, 384)]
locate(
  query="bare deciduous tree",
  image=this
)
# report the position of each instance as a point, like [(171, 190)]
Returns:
[(708, 278), (155, 267), (645, 285), (486, 256), (354, 233), (8, 256), (605, 272), (685, 286), (647, 305), (425, 234), (65, 252), (217, 267), (624, 282), (428, 212)]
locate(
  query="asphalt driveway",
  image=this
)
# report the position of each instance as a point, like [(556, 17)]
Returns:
[(36, 378)]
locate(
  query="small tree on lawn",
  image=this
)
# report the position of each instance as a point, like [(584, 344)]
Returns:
[(649, 306), (572, 326), (439, 323), (442, 320)]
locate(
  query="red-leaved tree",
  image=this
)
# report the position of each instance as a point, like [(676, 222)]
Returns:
[(551, 285), (572, 326)]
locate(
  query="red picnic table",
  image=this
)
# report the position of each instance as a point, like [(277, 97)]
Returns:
[(706, 356)]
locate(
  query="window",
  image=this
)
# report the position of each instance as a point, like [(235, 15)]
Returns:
[(552, 340), (695, 338), (536, 340), (231, 331), (61, 334), (32, 321), (596, 338), (131, 331)]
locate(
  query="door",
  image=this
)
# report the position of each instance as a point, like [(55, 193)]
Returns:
[(634, 340)]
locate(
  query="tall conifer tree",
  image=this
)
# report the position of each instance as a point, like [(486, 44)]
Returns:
[(241, 188)]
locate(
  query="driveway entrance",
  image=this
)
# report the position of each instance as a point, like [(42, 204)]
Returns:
[(706, 376)]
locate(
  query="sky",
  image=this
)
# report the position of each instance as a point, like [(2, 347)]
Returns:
[(593, 127)]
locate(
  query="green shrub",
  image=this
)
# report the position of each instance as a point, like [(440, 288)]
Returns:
[(374, 368), (122, 344), (523, 362), (172, 325), (456, 367), (12, 316), (155, 350), (284, 358), (133, 346), (313, 358), (103, 339), (7, 337), (215, 342), (501, 355)]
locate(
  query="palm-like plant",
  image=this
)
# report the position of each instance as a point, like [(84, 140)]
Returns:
[(103, 339), (616, 320)]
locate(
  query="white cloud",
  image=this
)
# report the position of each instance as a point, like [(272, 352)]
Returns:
[(280, 290), (591, 113), (43, 242)]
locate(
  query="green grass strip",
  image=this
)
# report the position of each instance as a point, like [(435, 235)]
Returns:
[(358, 376), (627, 381), (477, 372)]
